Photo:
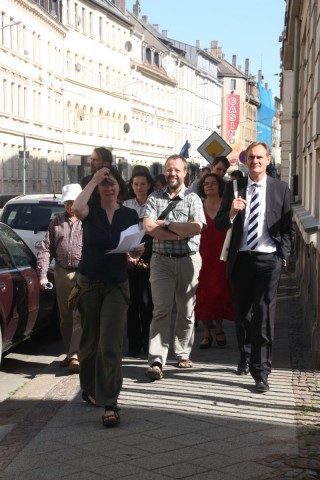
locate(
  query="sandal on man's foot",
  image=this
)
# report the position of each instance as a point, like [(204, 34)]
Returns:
[(184, 363), (222, 342), (155, 371), (89, 398), (111, 417), (206, 343)]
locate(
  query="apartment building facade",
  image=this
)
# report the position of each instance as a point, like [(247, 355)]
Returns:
[(85, 73), (301, 149)]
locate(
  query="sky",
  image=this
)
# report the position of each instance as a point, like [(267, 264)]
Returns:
[(245, 28)]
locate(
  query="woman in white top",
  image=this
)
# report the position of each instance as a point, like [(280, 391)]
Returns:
[(140, 310)]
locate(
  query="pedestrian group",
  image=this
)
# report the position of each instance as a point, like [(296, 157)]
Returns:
[(175, 272)]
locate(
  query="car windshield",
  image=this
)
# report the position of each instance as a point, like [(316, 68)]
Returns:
[(35, 217), (18, 250)]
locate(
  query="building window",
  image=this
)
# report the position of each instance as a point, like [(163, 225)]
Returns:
[(100, 29), (100, 123), (69, 116), (76, 16), (84, 21), (91, 121), (233, 84), (90, 24)]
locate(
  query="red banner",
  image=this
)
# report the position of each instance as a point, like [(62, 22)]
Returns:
[(232, 118)]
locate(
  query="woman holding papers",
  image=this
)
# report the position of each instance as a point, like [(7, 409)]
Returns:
[(140, 310), (104, 289)]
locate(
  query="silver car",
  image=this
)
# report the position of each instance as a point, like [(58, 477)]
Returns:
[(30, 215)]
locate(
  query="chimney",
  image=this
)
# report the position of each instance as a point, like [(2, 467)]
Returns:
[(165, 33), (247, 67), (121, 5), (220, 54), (266, 86), (145, 18), (260, 77), (136, 9), (214, 48), (156, 27), (234, 60), (198, 43), (239, 67)]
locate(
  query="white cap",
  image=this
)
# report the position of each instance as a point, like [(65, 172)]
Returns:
[(70, 192)]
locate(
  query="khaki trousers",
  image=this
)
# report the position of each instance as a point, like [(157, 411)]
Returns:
[(70, 324), (173, 278)]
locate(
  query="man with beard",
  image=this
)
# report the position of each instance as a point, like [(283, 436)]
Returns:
[(174, 217)]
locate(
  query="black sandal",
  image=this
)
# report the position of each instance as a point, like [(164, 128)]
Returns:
[(221, 343), (89, 398), (112, 419)]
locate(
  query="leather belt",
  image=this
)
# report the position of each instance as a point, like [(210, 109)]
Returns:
[(175, 255)]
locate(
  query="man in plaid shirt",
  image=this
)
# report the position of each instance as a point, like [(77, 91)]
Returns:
[(63, 242), (175, 265)]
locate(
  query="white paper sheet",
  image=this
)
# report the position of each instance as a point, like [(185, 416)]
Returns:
[(129, 239)]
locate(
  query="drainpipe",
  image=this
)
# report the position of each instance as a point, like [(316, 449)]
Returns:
[(295, 100)]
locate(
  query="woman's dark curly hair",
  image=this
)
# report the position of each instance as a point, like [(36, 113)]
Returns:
[(221, 184)]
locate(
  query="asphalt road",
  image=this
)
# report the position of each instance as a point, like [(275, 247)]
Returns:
[(26, 361)]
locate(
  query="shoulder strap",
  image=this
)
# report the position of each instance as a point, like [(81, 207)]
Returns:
[(169, 208)]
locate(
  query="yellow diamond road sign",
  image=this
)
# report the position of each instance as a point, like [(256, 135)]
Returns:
[(213, 147)]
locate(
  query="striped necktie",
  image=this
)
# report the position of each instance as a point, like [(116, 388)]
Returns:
[(252, 238)]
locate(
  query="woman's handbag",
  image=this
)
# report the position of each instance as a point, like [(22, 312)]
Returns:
[(227, 240)]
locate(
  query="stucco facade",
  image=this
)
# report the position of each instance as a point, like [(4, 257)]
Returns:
[(301, 148), (77, 74)]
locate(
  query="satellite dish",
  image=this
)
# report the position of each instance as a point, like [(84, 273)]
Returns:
[(126, 128), (128, 46)]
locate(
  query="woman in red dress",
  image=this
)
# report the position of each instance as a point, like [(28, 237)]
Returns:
[(213, 299)]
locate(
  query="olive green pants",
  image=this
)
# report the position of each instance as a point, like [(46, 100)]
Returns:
[(103, 315)]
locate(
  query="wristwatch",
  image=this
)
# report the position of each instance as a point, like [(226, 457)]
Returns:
[(166, 224)]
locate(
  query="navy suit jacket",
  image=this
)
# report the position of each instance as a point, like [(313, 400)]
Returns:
[(278, 217)]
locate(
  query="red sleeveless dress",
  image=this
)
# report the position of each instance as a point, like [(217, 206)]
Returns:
[(213, 298)]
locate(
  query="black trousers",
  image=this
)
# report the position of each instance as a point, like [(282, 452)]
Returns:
[(255, 279), (140, 310)]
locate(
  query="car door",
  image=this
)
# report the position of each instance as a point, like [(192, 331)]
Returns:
[(8, 315), (25, 299)]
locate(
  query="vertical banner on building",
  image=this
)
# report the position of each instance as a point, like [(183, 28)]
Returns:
[(232, 126)]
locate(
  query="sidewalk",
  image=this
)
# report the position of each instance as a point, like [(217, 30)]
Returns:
[(202, 423)]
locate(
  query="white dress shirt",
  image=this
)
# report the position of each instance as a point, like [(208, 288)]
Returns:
[(265, 242)]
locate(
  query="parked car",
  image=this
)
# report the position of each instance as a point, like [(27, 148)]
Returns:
[(25, 309), (30, 215)]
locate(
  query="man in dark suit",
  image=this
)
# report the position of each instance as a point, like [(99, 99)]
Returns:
[(260, 246)]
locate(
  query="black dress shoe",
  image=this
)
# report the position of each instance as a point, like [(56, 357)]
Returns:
[(243, 366), (262, 386)]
